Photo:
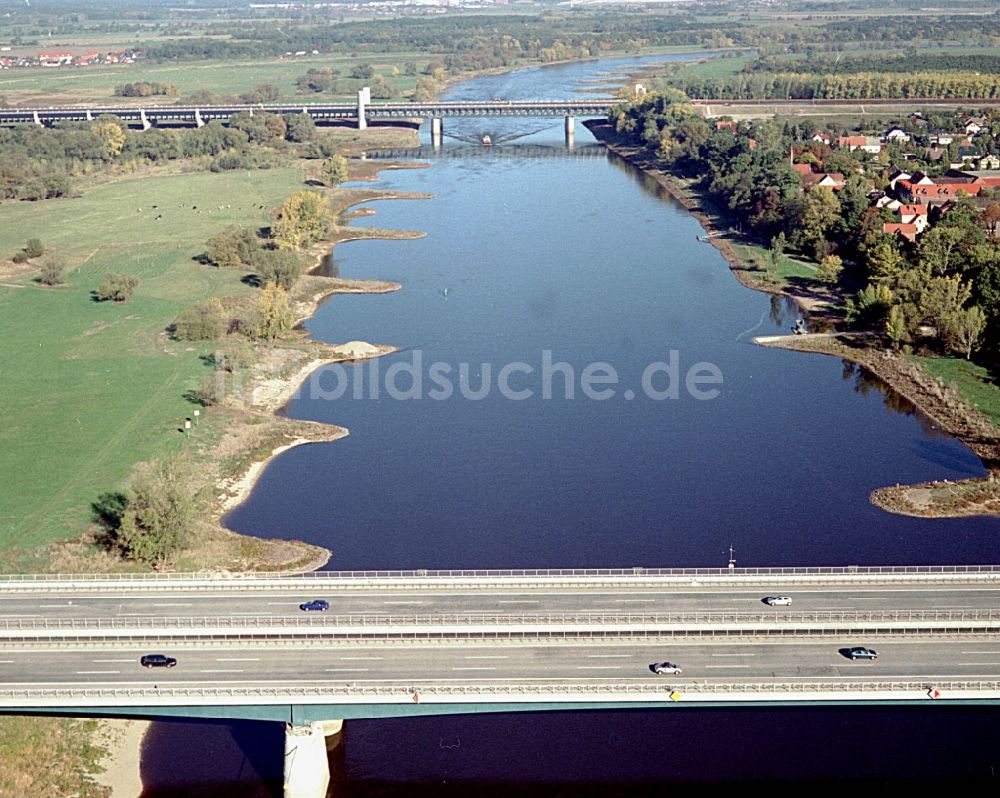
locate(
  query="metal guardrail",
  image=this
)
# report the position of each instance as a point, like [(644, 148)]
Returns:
[(515, 573), (431, 691), (326, 621)]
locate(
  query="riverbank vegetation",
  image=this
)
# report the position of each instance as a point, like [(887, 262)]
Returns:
[(791, 199)]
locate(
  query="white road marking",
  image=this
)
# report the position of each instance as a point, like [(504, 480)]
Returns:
[(727, 666), (6, 662), (474, 668), (360, 659), (170, 604), (346, 670), (635, 601), (115, 660), (83, 673), (520, 601), (220, 670), (981, 652), (734, 655), (609, 656), (401, 603), (598, 667), (476, 656), (979, 663), (54, 606), (237, 659)]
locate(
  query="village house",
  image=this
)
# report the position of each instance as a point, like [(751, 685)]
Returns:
[(55, 59), (821, 137), (869, 144), (907, 232), (896, 135)]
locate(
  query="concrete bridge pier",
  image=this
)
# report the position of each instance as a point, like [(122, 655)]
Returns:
[(37, 118), (570, 131), (146, 125), (90, 116), (198, 121), (364, 97), (437, 132), (307, 770)]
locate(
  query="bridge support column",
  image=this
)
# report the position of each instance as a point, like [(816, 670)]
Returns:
[(364, 97), (307, 771), (198, 121), (570, 131), (437, 131), (36, 118), (90, 116), (145, 122)]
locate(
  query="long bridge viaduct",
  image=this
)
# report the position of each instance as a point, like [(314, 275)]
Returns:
[(439, 642)]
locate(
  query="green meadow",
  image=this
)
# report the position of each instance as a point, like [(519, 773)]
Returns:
[(97, 83), (90, 388)]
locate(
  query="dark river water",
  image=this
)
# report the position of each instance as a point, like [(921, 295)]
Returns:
[(546, 271)]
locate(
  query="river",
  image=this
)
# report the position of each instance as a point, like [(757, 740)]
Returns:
[(568, 264)]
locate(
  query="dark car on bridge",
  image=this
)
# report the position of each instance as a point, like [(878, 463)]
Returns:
[(157, 661), (860, 652), (317, 605)]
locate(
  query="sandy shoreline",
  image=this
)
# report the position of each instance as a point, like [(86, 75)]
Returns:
[(120, 764)]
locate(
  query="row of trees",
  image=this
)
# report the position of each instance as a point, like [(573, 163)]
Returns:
[(854, 86), (38, 163), (147, 89), (941, 292)]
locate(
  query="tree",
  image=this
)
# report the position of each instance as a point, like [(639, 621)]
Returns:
[(895, 326), (204, 322), (161, 513), (829, 270), (812, 216), (964, 330), (274, 316), (334, 170), (300, 127), (305, 217), (883, 260), (34, 248), (117, 287), (279, 266), (112, 138), (871, 306), (53, 268), (234, 247)]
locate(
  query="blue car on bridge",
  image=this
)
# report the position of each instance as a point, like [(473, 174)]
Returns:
[(317, 605)]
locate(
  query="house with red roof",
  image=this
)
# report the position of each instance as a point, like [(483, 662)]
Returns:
[(908, 232)]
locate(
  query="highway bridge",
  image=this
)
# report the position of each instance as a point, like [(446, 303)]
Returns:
[(437, 642), (361, 112)]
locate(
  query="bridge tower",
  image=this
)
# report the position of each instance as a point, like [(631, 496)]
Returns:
[(570, 128), (364, 97), (437, 132)]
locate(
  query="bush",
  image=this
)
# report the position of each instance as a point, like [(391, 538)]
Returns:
[(117, 287), (53, 268), (205, 322), (20, 256), (829, 270), (281, 267), (235, 247), (230, 161), (34, 248)]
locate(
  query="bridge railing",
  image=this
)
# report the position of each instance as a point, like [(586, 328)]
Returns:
[(330, 622), (515, 573), (429, 691)]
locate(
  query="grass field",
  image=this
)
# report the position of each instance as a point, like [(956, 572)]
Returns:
[(97, 83), (90, 388), (716, 67), (975, 384)]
